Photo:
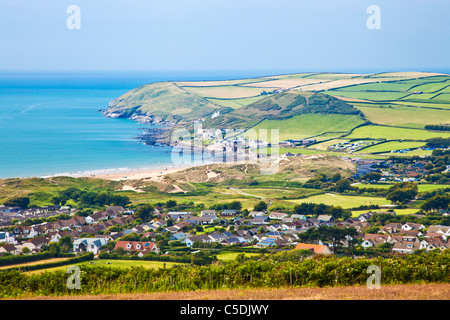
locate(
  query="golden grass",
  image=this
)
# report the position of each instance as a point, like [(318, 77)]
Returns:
[(34, 263), (386, 292)]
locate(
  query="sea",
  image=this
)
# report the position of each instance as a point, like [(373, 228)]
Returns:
[(50, 124)]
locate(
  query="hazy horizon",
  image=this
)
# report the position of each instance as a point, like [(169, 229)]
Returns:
[(231, 36)]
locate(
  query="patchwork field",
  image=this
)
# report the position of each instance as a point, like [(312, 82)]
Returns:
[(394, 133), (308, 125), (344, 201), (391, 146)]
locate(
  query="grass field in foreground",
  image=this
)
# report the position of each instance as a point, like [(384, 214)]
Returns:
[(433, 291), (344, 201)]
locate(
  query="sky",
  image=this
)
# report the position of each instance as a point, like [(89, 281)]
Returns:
[(183, 35)]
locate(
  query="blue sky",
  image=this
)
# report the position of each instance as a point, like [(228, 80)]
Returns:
[(178, 35)]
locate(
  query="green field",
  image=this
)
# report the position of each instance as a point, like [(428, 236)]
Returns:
[(398, 115), (422, 187), (114, 263), (394, 133), (344, 201), (393, 145), (231, 256), (308, 125), (374, 96)]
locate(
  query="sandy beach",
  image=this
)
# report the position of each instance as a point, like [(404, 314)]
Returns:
[(135, 175)]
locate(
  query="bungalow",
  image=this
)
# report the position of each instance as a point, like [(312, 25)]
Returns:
[(266, 242), (405, 247), (201, 238), (277, 215), (289, 226), (228, 212), (323, 218), (230, 241), (208, 213), (178, 236), (298, 216), (217, 237), (316, 248), (10, 248), (139, 246), (35, 244)]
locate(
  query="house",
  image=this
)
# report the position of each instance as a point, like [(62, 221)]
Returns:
[(96, 216), (114, 211), (406, 247), (434, 243), (316, 248), (289, 226), (7, 237), (89, 244), (256, 213), (9, 248), (208, 213), (412, 226), (228, 212), (25, 232), (298, 216), (178, 236), (230, 241), (34, 244), (139, 246), (323, 218), (266, 242), (277, 215), (201, 238)]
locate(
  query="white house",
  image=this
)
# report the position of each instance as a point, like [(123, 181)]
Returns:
[(7, 237), (89, 244)]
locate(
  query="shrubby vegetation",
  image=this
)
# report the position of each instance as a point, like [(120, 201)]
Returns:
[(281, 270)]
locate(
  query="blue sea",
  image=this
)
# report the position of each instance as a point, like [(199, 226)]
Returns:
[(50, 123)]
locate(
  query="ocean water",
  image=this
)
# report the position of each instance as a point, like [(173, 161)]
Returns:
[(49, 123)]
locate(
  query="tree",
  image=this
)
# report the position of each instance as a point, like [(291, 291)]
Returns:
[(260, 206), (144, 212), (402, 192), (343, 185), (336, 177), (235, 205), (22, 202), (26, 250)]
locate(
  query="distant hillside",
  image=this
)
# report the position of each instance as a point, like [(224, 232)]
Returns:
[(161, 102), (325, 106)]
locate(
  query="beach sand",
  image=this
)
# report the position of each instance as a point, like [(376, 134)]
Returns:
[(132, 174)]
